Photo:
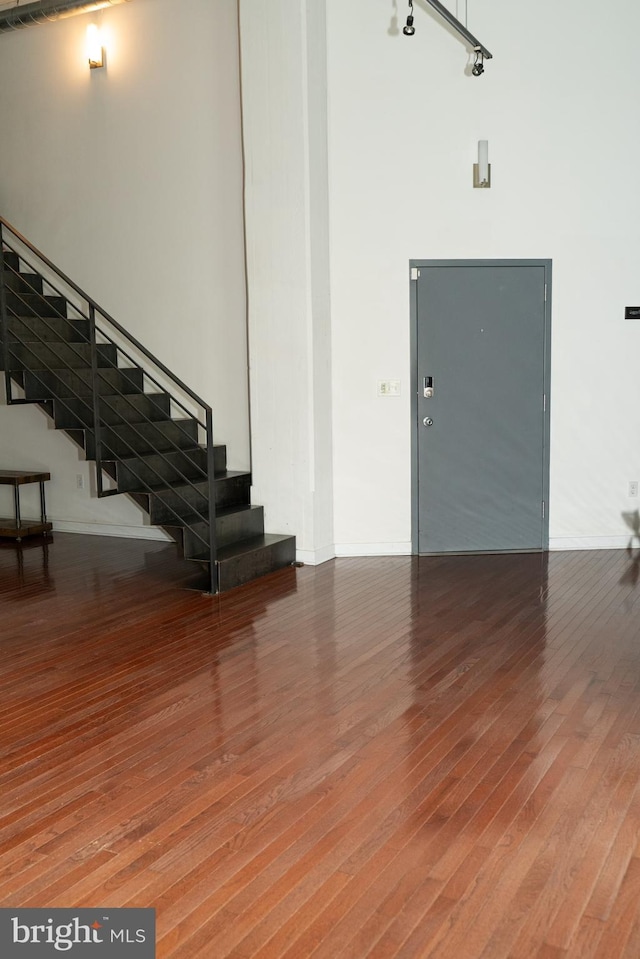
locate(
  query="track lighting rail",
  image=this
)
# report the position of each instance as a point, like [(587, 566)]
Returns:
[(480, 50), (460, 28)]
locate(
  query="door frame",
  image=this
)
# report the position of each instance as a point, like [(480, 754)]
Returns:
[(415, 265)]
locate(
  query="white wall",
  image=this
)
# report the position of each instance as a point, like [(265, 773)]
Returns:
[(558, 104), (156, 138), (130, 179), (285, 135)]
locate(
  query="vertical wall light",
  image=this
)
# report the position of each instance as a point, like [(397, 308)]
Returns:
[(95, 51), (482, 169)]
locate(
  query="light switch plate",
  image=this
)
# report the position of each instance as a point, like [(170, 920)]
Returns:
[(388, 387)]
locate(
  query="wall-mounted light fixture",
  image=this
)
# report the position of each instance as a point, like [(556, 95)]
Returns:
[(96, 53), (482, 169)]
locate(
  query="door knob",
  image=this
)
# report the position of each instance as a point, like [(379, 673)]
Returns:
[(427, 421)]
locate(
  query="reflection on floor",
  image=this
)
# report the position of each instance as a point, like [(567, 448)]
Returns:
[(376, 758)]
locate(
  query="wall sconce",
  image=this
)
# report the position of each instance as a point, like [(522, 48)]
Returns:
[(482, 169), (96, 53)]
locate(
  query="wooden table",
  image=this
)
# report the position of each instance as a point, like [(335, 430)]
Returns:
[(16, 528)]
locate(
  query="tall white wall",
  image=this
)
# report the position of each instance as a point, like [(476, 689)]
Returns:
[(558, 105), (130, 179), (283, 53)]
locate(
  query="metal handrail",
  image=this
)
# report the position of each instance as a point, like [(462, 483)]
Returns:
[(87, 317), (74, 286), (146, 486), (97, 372), (96, 368)]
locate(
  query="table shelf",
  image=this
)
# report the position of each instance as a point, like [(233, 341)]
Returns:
[(29, 527)]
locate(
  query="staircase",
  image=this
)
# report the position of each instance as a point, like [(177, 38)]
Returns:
[(148, 433)]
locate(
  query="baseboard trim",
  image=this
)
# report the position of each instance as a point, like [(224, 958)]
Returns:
[(105, 529), (315, 557), (373, 549), (558, 543)]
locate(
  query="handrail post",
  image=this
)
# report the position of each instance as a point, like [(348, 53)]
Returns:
[(97, 436), (4, 322), (213, 550)]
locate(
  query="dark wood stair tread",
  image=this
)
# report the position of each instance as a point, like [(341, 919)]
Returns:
[(177, 486), (183, 449)]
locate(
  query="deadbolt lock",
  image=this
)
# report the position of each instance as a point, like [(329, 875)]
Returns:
[(427, 421)]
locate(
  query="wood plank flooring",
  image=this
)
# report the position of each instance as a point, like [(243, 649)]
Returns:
[(387, 758)]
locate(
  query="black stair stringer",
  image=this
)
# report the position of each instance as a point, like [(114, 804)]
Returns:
[(148, 449)]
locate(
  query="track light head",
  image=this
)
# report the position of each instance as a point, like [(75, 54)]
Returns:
[(478, 67), (409, 29)]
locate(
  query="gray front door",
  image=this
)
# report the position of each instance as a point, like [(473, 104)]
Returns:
[(481, 446)]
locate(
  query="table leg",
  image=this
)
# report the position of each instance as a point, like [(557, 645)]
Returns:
[(43, 508), (16, 506)]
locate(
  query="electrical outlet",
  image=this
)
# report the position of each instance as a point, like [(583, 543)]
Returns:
[(633, 487), (79, 481)]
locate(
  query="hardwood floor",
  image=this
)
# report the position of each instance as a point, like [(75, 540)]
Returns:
[(381, 758)]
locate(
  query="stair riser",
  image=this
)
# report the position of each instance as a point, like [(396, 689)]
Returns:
[(22, 282), (239, 525), (60, 356), (243, 569), (72, 413), (11, 261), (230, 528), (37, 329), (163, 515), (235, 491), (127, 440), (45, 385), (35, 304), (137, 474), (191, 505)]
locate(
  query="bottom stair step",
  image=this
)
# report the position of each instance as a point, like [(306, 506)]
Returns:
[(251, 558)]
